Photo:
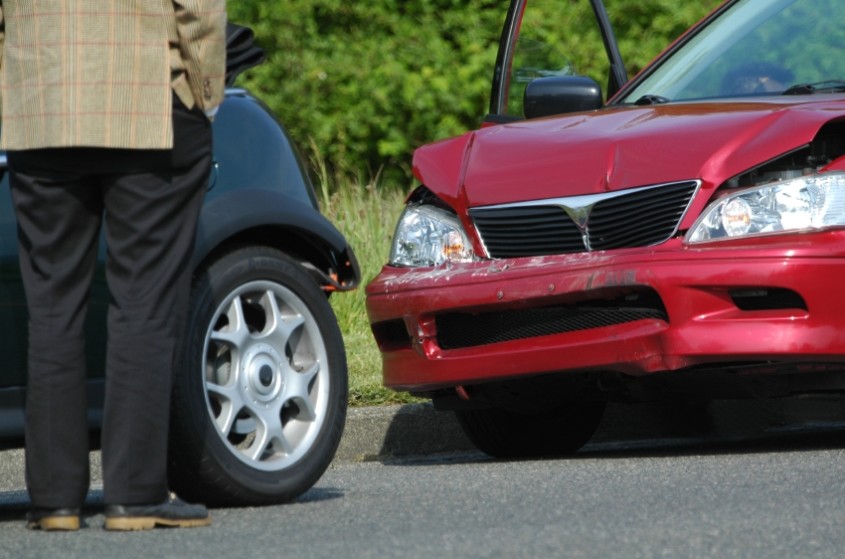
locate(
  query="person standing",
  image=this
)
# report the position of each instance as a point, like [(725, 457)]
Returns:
[(106, 109)]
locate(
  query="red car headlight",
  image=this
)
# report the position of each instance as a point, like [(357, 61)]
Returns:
[(810, 202), (429, 236)]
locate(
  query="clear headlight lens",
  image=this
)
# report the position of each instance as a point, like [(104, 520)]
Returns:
[(806, 203), (429, 236)]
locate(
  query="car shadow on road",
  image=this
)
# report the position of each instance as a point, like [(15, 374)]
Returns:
[(674, 429), (723, 426), (803, 439)]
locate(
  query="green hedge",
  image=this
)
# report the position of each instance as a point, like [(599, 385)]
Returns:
[(364, 83)]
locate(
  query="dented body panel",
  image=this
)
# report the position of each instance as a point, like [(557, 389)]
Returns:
[(704, 325), (618, 148)]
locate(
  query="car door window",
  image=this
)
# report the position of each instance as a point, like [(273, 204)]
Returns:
[(544, 45)]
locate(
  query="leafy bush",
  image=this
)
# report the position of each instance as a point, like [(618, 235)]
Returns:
[(367, 82)]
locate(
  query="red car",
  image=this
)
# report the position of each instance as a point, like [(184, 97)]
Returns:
[(684, 239)]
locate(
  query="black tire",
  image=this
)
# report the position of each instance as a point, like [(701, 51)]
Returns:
[(509, 434), (260, 388)]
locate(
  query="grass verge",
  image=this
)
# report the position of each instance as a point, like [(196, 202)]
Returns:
[(366, 215)]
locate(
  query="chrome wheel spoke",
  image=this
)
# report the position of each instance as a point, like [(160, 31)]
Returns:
[(236, 332), (280, 327), (230, 401), (299, 388), (269, 436)]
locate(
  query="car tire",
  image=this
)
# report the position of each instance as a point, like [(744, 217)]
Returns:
[(260, 387), (510, 434)]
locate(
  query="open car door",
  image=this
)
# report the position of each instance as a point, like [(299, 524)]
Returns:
[(534, 76)]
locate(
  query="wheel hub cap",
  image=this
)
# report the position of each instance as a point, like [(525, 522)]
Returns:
[(263, 381)]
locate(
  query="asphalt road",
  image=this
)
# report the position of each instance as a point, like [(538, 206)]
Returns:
[(774, 494)]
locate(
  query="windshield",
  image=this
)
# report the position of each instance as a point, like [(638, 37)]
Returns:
[(756, 47)]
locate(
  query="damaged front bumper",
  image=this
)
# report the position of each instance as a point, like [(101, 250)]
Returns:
[(633, 312)]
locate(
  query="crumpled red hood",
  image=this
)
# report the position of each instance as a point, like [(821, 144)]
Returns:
[(617, 148)]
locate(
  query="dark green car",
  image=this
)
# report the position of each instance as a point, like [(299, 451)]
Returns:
[(260, 389)]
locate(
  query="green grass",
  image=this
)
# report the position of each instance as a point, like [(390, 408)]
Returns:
[(366, 215)]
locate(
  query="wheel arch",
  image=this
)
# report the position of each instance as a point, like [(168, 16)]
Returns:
[(269, 218)]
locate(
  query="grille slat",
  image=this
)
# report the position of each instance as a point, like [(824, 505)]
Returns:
[(643, 217)]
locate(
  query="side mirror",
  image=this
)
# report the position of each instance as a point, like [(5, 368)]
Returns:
[(561, 94)]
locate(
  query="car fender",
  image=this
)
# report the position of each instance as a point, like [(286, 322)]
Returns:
[(233, 214)]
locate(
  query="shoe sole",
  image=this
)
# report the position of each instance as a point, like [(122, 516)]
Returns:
[(135, 523), (55, 524)]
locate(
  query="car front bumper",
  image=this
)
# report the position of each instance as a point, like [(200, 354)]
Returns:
[(776, 301)]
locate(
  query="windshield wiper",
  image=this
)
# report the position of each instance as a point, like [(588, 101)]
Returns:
[(831, 86), (651, 100)]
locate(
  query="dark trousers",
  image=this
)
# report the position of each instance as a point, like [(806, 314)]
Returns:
[(149, 202)]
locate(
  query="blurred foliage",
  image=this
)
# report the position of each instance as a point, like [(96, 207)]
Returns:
[(365, 83)]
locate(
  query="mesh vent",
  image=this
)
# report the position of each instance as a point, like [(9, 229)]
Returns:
[(459, 330)]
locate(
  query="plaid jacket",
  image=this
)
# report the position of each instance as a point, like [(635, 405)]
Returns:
[(99, 73)]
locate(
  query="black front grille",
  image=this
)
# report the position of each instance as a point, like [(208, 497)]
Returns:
[(642, 217), (459, 330), (531, 231)]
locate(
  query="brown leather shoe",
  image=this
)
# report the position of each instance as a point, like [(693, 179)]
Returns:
[(173, 512), (64, 519)]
